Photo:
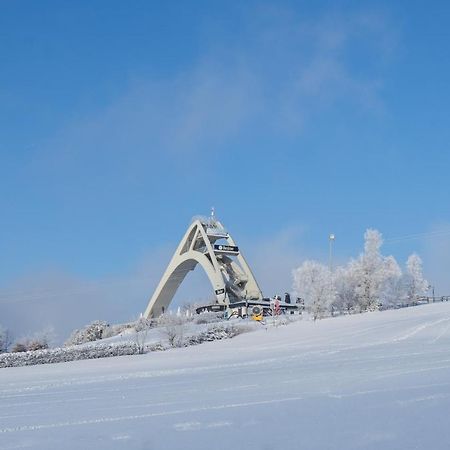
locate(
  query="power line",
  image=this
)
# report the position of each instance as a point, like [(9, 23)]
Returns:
[(412, 237)]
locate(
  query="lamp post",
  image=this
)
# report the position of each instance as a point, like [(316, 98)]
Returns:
[(331, 239)]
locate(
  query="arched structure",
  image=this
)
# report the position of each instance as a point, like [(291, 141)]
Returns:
[(207, 243)]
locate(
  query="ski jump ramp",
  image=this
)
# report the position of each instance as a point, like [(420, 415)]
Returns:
[(207, 243)]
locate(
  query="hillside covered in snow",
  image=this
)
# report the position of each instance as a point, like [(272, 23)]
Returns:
[(372, 381)]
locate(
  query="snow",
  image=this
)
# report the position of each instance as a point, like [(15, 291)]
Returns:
[(378, 380)]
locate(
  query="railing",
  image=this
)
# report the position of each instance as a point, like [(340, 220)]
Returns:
[(442, 298)]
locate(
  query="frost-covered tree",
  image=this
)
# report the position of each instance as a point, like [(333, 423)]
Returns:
[(369, 281), (391, 289), (313, 283), (378, 276), (5, 339), (415, 283), (364, 284), (345, 282), (368, 269)]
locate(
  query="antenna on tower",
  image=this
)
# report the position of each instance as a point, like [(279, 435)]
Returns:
[(212, 217)]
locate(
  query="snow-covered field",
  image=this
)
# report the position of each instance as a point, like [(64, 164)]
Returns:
[(371, 381)]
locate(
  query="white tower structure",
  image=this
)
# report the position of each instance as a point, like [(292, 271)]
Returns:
[(207, 243)]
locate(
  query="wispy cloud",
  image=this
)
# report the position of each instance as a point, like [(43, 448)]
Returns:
[(275, 75)]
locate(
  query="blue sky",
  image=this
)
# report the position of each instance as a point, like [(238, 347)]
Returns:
[(119, 121)]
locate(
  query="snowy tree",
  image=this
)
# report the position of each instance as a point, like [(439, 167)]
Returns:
[(313, 283), (415, 283), (378, 276), (391, 289), (369, 281), (345, 281), (5, 340), (368, 269), (364, 284)]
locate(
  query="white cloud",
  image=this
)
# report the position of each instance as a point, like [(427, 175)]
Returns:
[(277, 74)]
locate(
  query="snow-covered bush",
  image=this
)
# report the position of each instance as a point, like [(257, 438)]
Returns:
[(39, 341), (208, 317), (216, 332), (172, 328), (189, 310), (116, 329), (19, 347), (213, 332), (74, 353), (36, 344), (92, 332), (141, 327)]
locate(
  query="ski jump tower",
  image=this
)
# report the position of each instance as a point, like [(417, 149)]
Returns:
[(207, 243)]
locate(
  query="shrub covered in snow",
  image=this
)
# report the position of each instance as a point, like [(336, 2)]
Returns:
[(208, 317), (116, 329), (141, 328), (172, 328), (215, 332), (39, 341), (90, 333), (74, 353), (19, 347)]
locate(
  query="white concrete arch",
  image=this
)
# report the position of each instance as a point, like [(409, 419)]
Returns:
[(231, 280)]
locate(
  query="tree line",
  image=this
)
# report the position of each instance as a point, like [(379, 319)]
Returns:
[(367, 283)]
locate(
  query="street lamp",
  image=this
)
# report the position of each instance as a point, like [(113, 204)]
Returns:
[(331, 239)]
